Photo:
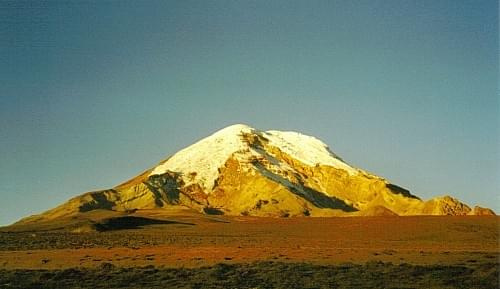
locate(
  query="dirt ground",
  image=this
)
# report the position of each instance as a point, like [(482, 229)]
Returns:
[(190, 242)]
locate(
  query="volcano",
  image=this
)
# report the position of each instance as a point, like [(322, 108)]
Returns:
[(243, 171)]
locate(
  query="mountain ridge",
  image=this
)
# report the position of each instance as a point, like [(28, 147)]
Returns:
[(240, 170)]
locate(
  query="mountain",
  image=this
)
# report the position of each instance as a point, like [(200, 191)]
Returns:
[(240, 170)]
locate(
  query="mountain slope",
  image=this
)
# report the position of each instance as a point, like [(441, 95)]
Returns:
[(240, 170)]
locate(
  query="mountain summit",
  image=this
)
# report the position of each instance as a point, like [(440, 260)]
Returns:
[(240, 170)]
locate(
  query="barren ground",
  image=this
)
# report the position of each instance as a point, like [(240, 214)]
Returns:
[(412, 246)]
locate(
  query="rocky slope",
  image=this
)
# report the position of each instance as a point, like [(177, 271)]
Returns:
[(240, 170)]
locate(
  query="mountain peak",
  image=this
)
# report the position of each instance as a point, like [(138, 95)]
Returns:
[(206, 156), (235, 129), (202, 160)]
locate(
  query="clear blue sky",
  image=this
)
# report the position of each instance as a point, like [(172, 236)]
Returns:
[(94, 92)]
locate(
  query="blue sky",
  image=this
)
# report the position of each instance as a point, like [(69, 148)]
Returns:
[(94, 92)]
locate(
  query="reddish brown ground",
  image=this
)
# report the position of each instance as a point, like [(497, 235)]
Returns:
[(417, 240)]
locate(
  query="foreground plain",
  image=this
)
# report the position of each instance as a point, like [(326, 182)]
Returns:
[(153, 250)]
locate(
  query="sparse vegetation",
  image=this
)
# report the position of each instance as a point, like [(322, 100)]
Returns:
[(259, 275)]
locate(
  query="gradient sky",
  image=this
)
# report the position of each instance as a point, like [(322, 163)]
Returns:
[(94, 92)]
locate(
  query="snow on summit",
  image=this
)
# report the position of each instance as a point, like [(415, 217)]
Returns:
[(307, 149), (209, 154)]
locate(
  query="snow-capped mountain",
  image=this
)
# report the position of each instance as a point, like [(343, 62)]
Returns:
[(241, 142), (240, 170)]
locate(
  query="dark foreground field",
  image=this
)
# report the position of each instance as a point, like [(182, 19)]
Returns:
[(260, 275)]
